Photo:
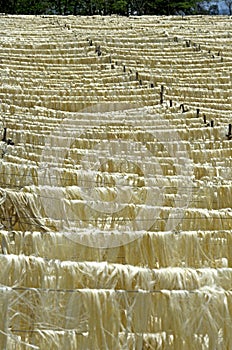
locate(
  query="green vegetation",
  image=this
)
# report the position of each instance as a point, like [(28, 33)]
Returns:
[(101, 7)]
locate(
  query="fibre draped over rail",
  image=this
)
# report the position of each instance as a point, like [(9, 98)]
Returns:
[(115, 183)]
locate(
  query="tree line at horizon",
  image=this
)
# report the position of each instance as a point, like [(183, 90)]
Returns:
[(107, 7)]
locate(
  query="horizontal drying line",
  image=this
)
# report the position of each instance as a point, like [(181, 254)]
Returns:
[(162, 291), (121, 219), (45, 330)]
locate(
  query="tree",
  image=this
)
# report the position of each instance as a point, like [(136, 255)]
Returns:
[(120, 7), (31, 7), (229, 5), (170, 7), (138, 7), (105, 7), (8, 6), (214, 10)]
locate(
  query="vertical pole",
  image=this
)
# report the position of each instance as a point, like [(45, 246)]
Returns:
[(182, 107), (161, 94), (230, 129), (4, 301), (4, 135), (229, 135)]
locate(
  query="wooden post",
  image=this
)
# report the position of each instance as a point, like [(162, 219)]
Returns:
[(229, 135), (212, 123), (161, 98), (198, 112), (230, 129), (182, 107), (4, 301), (204, 118), (124, 68), (161, 94), (170, 103), (98, 50), (4, 135), (137, 76), (152, 85)]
